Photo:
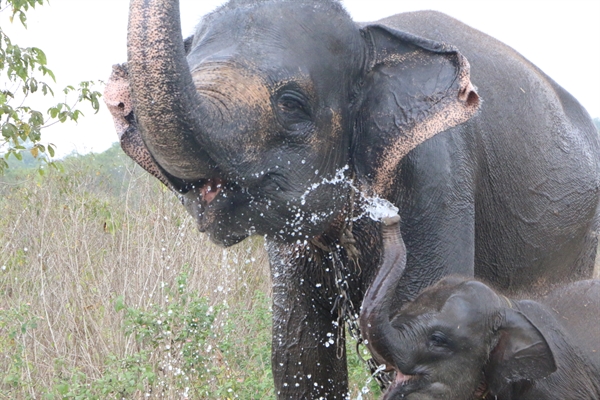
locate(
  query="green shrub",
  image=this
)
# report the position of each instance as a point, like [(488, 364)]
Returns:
[(180, 351), (14, 324)]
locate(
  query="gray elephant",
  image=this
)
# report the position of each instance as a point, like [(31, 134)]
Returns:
[(461, 340), (278, 116)]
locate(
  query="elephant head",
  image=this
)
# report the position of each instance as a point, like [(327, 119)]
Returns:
[(457, 340), (260, 118)]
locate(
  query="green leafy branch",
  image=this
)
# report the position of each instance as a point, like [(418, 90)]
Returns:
[(19, 8), (21, 71)]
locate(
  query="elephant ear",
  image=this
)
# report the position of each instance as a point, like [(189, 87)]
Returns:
[(413, 88), (521, 354)]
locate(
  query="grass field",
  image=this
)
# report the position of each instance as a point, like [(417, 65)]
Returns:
[(107, 291)]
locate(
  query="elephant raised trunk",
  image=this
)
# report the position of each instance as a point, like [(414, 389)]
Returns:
[(168, 109)]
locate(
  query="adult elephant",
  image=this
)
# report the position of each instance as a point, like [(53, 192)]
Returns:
[(277, 115)]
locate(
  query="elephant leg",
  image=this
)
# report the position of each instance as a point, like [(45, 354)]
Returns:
[(308, 353)]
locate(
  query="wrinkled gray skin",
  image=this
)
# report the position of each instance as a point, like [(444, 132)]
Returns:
[(251, 121), (461, 340)]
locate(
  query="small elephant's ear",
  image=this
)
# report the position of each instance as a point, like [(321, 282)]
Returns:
[(413, 88), (521, 354)]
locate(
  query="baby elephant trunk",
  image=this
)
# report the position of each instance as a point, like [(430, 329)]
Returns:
[(379, 335)]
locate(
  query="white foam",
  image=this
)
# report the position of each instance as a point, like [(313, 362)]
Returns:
[(379, 209)]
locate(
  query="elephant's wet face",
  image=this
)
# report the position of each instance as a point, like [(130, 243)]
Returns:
[(445, 336), (275, 102)]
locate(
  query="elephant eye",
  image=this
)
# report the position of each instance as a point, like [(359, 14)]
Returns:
[(290, 104), (293, 110), (439, 339)]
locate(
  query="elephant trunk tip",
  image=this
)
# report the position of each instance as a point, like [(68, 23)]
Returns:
[(117, 98)]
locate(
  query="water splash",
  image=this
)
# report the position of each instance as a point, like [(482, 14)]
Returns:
[(372, 206), (339, 177), (365, 389), (377, 208)]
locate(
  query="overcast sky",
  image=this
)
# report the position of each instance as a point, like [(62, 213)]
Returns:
[(83, 38)]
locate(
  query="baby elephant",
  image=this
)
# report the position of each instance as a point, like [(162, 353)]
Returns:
[(459, 339)]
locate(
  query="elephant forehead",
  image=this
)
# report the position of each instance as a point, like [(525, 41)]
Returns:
[(465, 311), (233, 86), (240, 102)]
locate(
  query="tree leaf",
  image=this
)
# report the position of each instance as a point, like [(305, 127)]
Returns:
[(119, 303), (40, 55)]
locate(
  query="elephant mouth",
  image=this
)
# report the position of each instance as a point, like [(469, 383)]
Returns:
[(403, 385), (205, 199), (211, 189), (205, 191), (229, 212), (405, 380), (220, 208)]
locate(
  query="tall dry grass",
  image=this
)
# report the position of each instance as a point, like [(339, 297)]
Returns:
[(87, 254), (72, 243)]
